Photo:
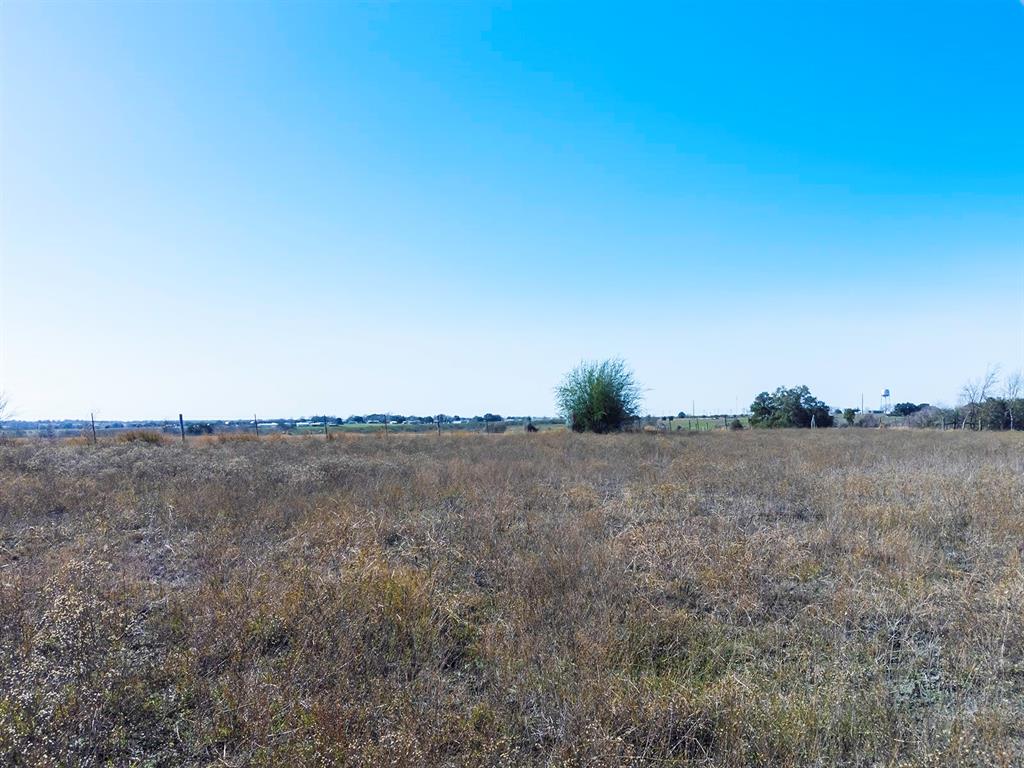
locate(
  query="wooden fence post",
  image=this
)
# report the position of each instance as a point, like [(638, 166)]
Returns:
[(181, 425), (92, 418), (256, 423)]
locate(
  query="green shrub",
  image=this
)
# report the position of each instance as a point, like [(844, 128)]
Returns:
[(598, 396)]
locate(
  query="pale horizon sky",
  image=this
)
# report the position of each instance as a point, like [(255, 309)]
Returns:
[(221, 208)]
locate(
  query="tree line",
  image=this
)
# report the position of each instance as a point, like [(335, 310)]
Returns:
[(604, 396)]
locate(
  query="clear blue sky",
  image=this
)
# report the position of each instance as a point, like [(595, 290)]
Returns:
[(222, 208)]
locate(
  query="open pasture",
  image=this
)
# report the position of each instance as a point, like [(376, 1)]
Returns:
[(828, 597)]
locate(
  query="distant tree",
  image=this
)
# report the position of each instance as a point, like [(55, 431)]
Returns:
[(355, 420), (795, 407), (736, 425), (492, 417), (994, 414), (974, 393), (905, 409), (930, 416), (681, 415), (849, 414), (1012, 387), (1015, 412), (598, 396), (869, 420), (199, 429)]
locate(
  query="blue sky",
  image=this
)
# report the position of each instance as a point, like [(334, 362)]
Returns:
[(222, 208)]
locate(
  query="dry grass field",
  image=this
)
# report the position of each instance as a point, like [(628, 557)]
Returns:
[(836, 597)]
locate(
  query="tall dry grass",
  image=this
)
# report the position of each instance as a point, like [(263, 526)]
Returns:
[(785, 598)]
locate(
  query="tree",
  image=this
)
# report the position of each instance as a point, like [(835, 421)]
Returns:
[(905, 409), (598, 396), (1011, 393), (994, 414), (681, 415), (930, 416), (795, 407), (974, 393), (869, 420), (849, 415)]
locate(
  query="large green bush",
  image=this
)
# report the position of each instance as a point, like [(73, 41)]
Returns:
[(598, 396)]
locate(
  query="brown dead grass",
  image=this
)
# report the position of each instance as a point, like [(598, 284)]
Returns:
[(839, 597)]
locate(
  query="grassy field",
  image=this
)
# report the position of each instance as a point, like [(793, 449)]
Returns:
[(836, 597)]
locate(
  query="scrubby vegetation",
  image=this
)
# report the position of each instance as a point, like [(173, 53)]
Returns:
[(598, 396), (837, 597), (795, 407)]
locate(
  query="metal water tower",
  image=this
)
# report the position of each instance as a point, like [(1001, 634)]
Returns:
[(886, 405)]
